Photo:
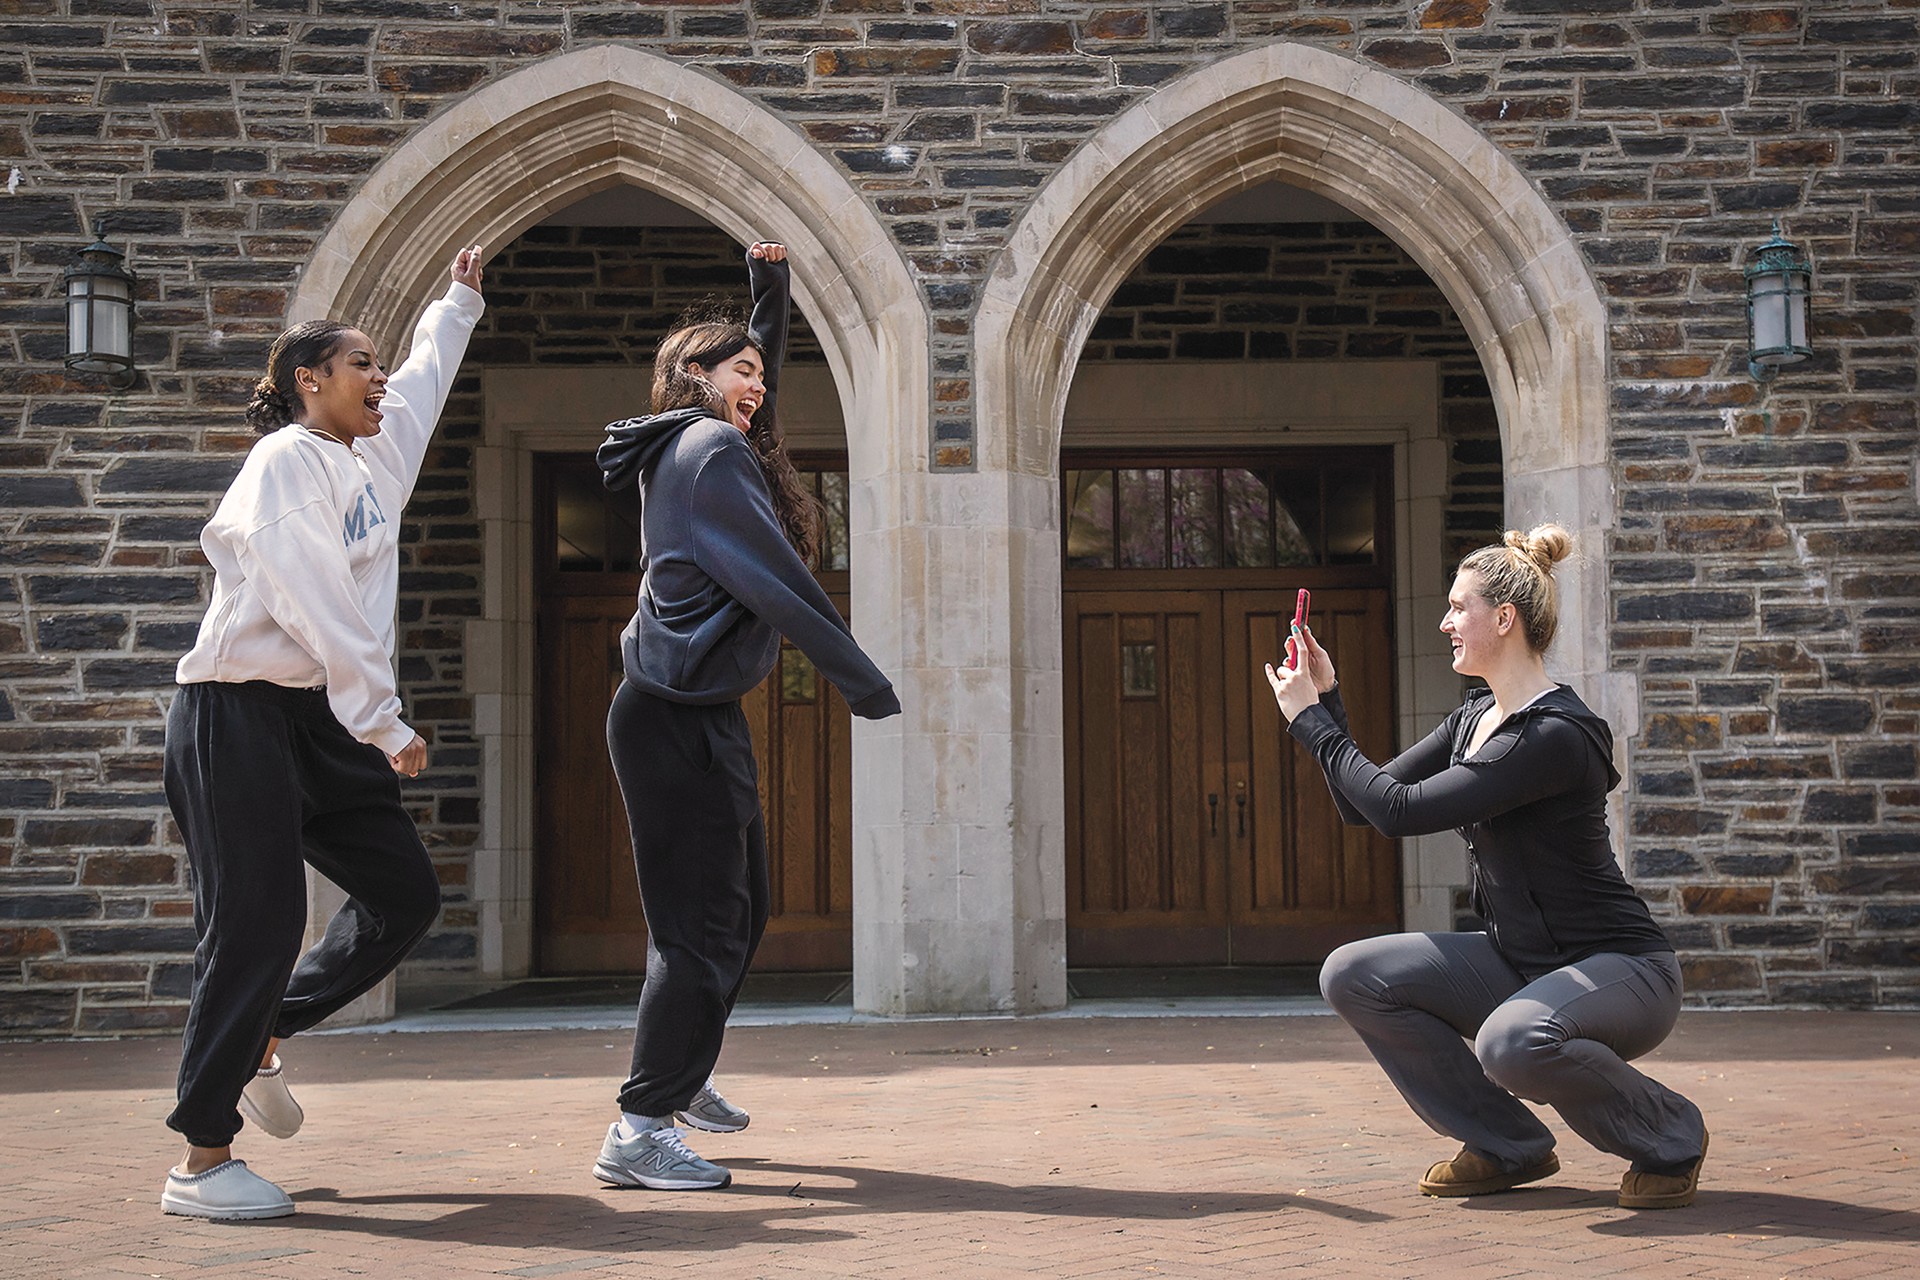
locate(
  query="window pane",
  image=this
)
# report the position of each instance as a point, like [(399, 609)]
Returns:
[(1350, 515), (1139, 670), (797, 680), (1249, 539), (580, 514), (1143, 519), (1296, 514), (833, 545), (1089, 519), (1196, 519)]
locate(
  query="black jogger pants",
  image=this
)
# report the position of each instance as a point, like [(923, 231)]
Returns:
[(261, 780), (700, 848)]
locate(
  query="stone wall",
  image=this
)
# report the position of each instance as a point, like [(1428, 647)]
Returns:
[(1764, 583)]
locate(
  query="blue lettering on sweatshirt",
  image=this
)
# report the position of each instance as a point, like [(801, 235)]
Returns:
[(365, 517)]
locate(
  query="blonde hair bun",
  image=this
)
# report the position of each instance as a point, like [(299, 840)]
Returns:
[(1544, 544)]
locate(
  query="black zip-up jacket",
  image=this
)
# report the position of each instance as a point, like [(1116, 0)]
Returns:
[(719, 581), (1531, 804)]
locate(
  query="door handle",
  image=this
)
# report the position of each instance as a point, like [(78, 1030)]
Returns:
[(1241, 802), (1213, 814)]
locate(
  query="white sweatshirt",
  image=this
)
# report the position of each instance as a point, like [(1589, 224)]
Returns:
[(305, 545)]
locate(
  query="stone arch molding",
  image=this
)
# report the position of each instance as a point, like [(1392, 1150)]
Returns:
[(1404, 161), (537, 140)]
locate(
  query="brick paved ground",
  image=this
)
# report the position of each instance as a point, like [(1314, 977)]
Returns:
[(1064, 1147)]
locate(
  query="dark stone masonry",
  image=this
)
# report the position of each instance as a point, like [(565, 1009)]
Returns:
[(1764, 568)]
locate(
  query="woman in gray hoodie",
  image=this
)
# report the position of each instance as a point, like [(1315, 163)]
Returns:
[(726, 529)]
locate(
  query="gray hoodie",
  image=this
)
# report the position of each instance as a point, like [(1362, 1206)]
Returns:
[(719, 582)]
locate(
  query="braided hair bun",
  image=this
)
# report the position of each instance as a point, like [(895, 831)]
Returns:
[(305, 346)]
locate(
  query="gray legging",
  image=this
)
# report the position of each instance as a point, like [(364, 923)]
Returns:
[(1563, 1040)]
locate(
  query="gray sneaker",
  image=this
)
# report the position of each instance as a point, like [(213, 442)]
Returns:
[(657, 1158), (713, 1113)]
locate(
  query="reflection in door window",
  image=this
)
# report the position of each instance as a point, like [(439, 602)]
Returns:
[(833, 525), (1305, 513), (1142, 519), (1089, 519), (1139, 670), (1244, 497), (1195, 522)]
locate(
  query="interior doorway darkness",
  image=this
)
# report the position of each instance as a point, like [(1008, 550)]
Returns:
[(1195, 833)]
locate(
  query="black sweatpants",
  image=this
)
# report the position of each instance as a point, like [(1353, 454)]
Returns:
[(262, 779), (700, 849)]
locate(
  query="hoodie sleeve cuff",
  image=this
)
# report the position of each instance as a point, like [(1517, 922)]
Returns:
[(878, 705)]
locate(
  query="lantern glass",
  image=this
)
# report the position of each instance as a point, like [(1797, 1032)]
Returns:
[(1799, 290), (1770, 314), (99, 335)]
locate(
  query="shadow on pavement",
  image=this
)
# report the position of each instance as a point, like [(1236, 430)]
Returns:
[(895, 1191), (762, 1214), (1769, 1213), (529, 1220), (1737, 1213)]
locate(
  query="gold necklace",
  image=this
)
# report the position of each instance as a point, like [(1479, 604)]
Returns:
[(336, 439)]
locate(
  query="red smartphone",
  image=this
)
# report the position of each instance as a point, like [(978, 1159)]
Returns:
[(1301, 604)]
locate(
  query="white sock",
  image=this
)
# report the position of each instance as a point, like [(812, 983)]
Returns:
[(632, 1126)]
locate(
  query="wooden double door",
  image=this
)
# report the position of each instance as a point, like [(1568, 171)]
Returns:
[(1198, 832), (586, 900)]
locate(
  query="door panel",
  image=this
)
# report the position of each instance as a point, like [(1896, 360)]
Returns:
[(1303, 881), (587, 901), (1197, 831), (587, 904), (1143, 752), (803, 745)]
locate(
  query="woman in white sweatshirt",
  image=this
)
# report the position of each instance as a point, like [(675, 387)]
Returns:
[(285, 742)]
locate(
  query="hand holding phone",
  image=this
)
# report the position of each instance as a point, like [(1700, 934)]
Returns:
[(1301, 604)]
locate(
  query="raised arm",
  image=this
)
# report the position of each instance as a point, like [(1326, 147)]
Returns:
[(417, 391), (771, 281), (1422, 760)]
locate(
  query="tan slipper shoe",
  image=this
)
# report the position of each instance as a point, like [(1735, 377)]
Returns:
[(1662, 1190), (1471, 1174)]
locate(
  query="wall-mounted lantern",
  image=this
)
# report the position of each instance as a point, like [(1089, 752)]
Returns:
[(100, 313), (1779, 283)]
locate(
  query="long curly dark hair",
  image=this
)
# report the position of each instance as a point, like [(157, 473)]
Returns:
[(276, 401), (710, 344)]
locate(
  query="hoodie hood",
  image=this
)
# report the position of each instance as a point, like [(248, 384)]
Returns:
[(1563, 702), (633, 443)]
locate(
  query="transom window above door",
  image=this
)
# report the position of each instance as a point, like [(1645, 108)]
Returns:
[(591, 530), (1295, 510)]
